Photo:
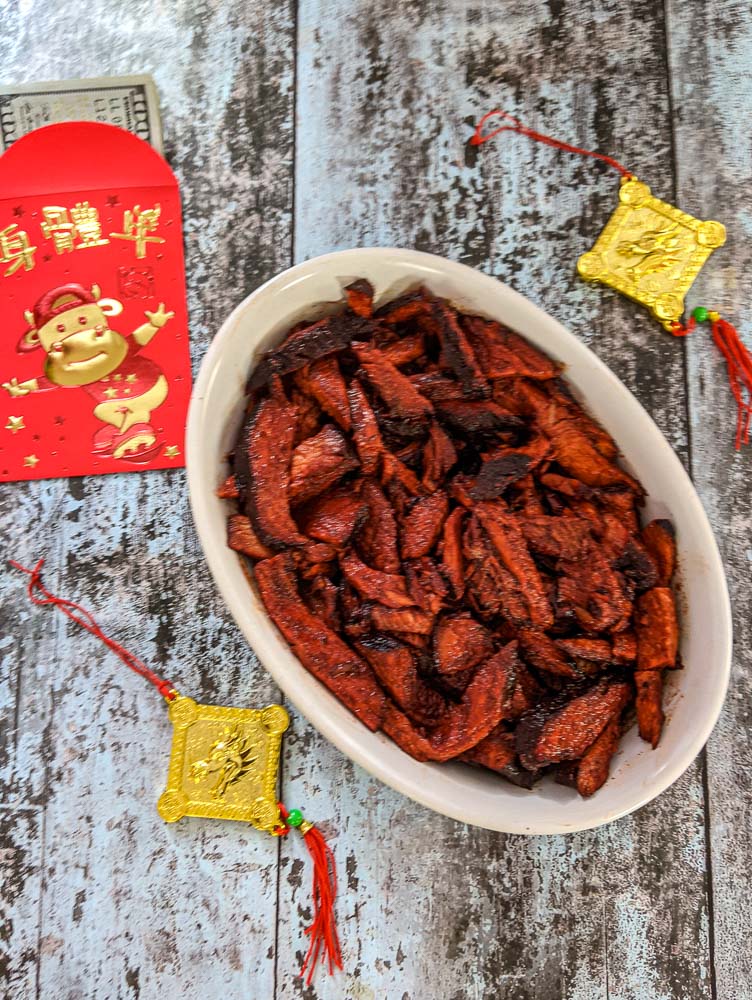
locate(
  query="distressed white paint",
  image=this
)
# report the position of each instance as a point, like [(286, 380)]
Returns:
[(429, 909), (132, 907), (710, 54)]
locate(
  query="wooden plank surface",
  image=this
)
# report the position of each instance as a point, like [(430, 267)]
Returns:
[(710, 53), (20, 898), (105, 901), (382, 160), (133, 907)]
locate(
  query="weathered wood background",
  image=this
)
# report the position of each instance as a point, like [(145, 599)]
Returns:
[(297, 128)]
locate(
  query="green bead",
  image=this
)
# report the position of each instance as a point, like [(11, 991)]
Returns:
[(700, 314), (294, 817)]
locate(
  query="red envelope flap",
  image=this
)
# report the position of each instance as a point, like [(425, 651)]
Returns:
[(80, 156)]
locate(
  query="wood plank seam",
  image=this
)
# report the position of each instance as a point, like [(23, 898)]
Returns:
[(684, 346)]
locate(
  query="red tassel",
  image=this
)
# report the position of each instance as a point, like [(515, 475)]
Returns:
[(323, 931), (739, 365), (324, 940)]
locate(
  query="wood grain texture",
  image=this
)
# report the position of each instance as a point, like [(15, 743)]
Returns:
[(20, 896), (710, 53), (133, 907), (101, 898), (621, 912)]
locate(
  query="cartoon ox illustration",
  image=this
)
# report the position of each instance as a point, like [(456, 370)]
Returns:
[(71, 325)]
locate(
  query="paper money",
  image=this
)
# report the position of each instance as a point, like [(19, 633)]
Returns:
[(128, 101)]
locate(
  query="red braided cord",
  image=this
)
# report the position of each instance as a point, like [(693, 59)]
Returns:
[(521, 129), (683, 331), (86, 620), (284, 829)]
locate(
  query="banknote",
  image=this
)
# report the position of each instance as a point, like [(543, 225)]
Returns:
[(128, 101)]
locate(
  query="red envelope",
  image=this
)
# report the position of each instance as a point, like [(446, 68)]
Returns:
[(94, 360)]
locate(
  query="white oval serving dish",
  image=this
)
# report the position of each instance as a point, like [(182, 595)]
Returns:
[(695, 694)]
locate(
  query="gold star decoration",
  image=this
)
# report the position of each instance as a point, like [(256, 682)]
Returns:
[(130, 378), (117, 378), (126, 392), (110, 393), (15, 424), (30, 461), (171, 451)]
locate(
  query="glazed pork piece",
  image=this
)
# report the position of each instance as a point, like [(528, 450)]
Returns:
[(446, 540)]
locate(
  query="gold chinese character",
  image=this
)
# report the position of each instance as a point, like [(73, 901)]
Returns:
[(15, 249), (88, 227), (136, 224), (85, 226), (58, 226)]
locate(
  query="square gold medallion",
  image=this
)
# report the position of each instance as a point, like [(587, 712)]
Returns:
[(224, 763), (651, 251)]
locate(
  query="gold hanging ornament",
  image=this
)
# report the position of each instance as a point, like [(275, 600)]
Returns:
[(651, 252), (224, 764)]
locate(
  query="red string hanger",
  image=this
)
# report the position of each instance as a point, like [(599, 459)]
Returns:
[(516, 126), (324, 941), (736, 355), (39, 594)]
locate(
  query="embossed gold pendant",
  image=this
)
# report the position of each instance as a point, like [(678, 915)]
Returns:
[(651, 251), (224, 763)]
